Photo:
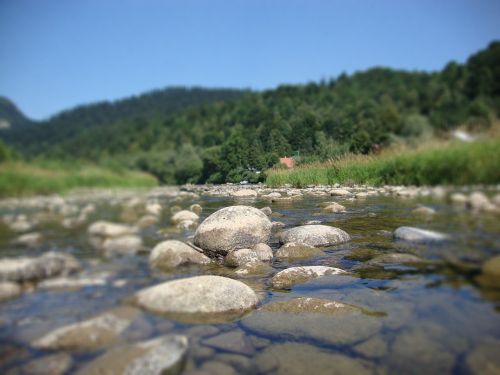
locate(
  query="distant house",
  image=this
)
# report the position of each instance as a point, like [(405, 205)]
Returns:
[(289, 162)]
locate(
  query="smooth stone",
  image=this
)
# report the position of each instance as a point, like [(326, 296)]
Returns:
[(184, 215), (53, 364), (294, 250), (199, 298), (325, 321), (418, 235), (396, 258), (483, 359), (233, 341), (173, 253), (426, 211), (244, 193), (128, 244), (9, 290), (154, 209), (297, 358), (147, 221), (75, 283), (295, 275), (35, 268), (339, 192), (314, 235), (334, 207), (267, 211), (159, 356), (28, 239), (374, 347), (216, 368), (89, 335), (196, 208), (490, 273), (459, 199), (241, 257), (107, 229), (232, 228), (479, 201)]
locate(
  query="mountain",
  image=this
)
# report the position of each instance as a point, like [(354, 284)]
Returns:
[(10, 116), (195, 135)]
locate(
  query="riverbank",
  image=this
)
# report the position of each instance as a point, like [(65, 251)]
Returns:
[(442, 163), (21, 179)]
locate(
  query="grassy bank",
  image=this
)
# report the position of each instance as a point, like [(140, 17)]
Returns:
[(454, 163), (20, 178)]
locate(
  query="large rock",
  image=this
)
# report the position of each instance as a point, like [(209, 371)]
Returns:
[(314, 235), (200, 298), (260, 253), (92, 334), (287, 278), (28, 239), (244, 193), (326, 321), (9, 290), (418, 235), (184, 215), (295, 358), (36, 268), (232, 228), (107, 229), (333, 207), (294, 250), (173, 253), (159, 356)]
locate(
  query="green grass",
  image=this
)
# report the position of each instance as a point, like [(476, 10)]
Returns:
[(447, 163), (46, 177)]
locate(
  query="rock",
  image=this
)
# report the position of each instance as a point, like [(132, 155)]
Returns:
[(314, 235), (361, 195), (334, 207), (196, 208), (374, 347), (264, 252), (459, 199), (154, 209), (35, 268), (424, 211), (74, 283), (479, 201), (232, 228), (205, 298), (9, 290), (244, 193), (89, 335), (241, 257), (173, 253), (54, 364), (20, 225), (399, 258), (277, 224), (496, 200), (129, 244), (28, 239), (184, 215), (107, 229), (216, 368), (294, 250), (147, 221), (273, 195), (418, 235), (296, 358), (484, 359), (339, 192), (325, 321), (159, 356), (267, 211), (287, 278), (233, 341), (490, 273)]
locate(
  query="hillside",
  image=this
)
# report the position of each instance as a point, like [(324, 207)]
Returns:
[(231, 140), (10, 116)]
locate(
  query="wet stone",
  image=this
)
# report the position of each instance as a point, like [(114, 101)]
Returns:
[(9, 290), (418, 235), (287, 278), (173, 253), (483, 359), (233, 341), (54, 364), (294, 250), (314, 235)]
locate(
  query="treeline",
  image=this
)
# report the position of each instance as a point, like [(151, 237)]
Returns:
[(233, 140)]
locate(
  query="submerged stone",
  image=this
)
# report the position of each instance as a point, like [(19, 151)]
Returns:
[(314, 235), (418, 235), (9, 290), (287, 278), (294, 250), (173, 253)]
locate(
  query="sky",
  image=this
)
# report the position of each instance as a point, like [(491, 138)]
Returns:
[(56, 54)]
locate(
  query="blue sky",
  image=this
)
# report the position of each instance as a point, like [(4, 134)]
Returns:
[(55, 54)]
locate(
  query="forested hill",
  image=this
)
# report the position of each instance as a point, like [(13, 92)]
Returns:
[(231, 140), (10, 116), (67, 125)]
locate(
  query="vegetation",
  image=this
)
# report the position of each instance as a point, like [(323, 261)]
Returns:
[(218, 136), (441, 163)]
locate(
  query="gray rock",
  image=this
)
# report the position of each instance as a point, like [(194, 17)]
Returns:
[(184, 215), (334, 207), (233, 341), (147, 221), (295, 275), (196, 208), (128, 244), (399, 258), (425, 211), (374, 347), (163, 355), (232, 228), (264, 252), (28, 239), (484, 358), (92, 334), (173, 253), (267, 211), (294, 250), (241, 257), (326, 321), (339, 192), (244, 193), (9, 290), (314, 235), (54, 364), (459, 199), (35, 268), (295, 358), (107, 229), (200, 298), (418, 235)]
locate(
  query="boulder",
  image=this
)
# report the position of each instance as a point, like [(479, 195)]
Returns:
[(53, 364), (459, 199), (425, 211), (107, 229), (28, 239), (490, 273), (129, 244), (159, 356), (196, 208), (244, 193), (264, 252), (294, 250), (173, 253), (199, 298), (241, 257), (339, 192), (287, 278), (334, 207), (184, 215), (232, 228), (395, 258), (9, 290), (314, 235), (267, 211), (418, 235)]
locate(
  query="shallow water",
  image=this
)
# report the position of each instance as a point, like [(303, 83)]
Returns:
[(431, 317)]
